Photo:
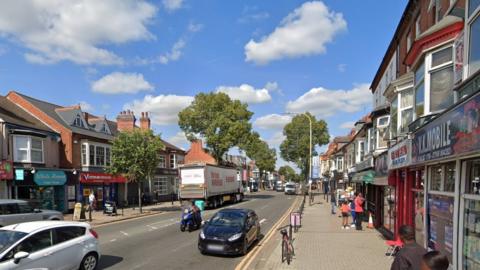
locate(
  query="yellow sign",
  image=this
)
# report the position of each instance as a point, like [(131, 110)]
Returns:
[(86, 191)]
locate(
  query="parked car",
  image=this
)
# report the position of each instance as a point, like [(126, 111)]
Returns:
[(290, 188), (17, 211), (49, 245), (229, 231)]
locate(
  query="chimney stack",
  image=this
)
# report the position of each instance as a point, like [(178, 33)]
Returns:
[(126, 121), (145, 121)]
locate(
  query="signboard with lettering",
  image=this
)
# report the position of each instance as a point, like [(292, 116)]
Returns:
[(49, 178), (454, 132), (101, 178), (6, 170), (400, 155)]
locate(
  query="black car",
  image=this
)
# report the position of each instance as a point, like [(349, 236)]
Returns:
[(229, 232)]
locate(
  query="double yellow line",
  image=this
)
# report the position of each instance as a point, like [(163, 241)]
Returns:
[(248, 259)]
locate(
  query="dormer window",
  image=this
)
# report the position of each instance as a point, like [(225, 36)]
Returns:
[(104, 129), (78, 121)]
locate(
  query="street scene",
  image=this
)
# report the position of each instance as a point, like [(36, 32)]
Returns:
[(242, 135)]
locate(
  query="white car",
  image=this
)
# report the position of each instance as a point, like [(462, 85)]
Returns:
[(49, 245)]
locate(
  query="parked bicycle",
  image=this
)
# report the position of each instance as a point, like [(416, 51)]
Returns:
[(287, 247)]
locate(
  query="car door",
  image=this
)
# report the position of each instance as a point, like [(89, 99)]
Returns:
[(40, 248), (10, 214), (250, 229), (69, 243), (27, 213)]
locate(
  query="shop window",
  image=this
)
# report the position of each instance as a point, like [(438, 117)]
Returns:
[(440, 224), (389, 208), (162, 162), (419, 217), (160, 185), (450, 170), (436, 178), (471, 218), (472, 181), (28, 149), (420, 91)]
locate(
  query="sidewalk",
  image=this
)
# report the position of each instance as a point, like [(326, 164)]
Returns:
[(98, 217), (322, 244)]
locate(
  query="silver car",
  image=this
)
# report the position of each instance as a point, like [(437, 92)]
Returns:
[(17, 211)]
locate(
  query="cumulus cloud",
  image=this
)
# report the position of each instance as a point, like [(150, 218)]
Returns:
[(58, 30), (195, 27), (305, 31), (272, 121), (163, 109), (86, 107), (276, 139), (121, 83), (179, 140), (174, 53), (324, 102), (347, 125), (172, 5), (246, 93)]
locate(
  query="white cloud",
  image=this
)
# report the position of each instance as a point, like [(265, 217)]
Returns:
[(271, 86), (172, 5), (195, 27), (347, 125), (303, 32), (276, 139), (163, 109), (272, 121), (86, 107), (179, 140), (342, 67), (121, 83), (246, 93), (58, 30), (174, 54), (323, 102)]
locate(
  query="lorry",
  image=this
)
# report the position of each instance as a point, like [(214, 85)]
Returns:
[(215, 185)]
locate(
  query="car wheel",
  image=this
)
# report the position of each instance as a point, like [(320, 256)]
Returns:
[(89, 262)]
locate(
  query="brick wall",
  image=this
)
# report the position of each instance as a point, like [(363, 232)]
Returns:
[(197, 154)]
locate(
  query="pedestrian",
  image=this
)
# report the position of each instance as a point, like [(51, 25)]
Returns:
[(434, 260), (345, 213), (91, 201), (359, 201), (411, 254), (333, 201), (352, 207)]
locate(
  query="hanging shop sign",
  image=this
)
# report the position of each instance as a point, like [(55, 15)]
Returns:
[(19, 175), (452, 133), (101, 178), (49, 178), (6, 170), (400, 155)]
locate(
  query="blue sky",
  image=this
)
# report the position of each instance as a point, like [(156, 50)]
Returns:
[(277, 56)]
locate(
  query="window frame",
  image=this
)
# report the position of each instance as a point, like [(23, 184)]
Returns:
[(161, 164), (172, 165), (429, 69), (377, 131), (28, 149), (469, 20), (409, 40), (418, 31), (164, 181), (91, 145), (78, 121)]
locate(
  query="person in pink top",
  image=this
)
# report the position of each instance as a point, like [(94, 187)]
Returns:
[(359, 201)]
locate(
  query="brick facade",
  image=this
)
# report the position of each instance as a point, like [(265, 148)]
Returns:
[(197, 154)]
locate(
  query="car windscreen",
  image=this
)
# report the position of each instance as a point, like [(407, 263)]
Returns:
[(228, 219), (8, 238), (290, 186)]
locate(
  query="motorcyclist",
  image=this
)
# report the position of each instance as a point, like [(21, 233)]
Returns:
[(197, 218)]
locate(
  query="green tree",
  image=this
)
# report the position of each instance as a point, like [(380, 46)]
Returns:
[(288, 172), (296, 146), (258, 150), (136, 154), (224, 123)]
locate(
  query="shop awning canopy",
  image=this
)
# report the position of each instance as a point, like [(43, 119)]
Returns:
[(364, 177)]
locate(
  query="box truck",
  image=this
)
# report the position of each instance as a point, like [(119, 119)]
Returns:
[(213, 184)]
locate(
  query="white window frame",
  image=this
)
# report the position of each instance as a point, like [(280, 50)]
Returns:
[(468, 23), (78, 121), (417, 26), (361, 147), (339, 162), (28, 149), (409, 41), (174, 164), (427, 76), (106, 160), (378, 131), (156, 183), (164, 165), (84, 153)]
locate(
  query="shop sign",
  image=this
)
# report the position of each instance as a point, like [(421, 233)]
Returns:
[(49, 178), (400, 155), (381, 165), (452, 133), (6, 169), (100, 178), (458, 59), (363, 165), (19, 175)]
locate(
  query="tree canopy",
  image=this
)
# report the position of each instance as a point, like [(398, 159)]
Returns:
[(136, 154), (258, 150), (221, 121), (295, 148), (288, 172)]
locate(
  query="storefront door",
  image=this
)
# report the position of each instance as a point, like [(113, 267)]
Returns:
[(418, 208)]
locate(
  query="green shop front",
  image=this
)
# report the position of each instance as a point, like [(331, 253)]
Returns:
[(44, 189)]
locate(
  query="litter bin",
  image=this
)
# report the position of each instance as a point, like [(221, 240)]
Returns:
[(200, 205)]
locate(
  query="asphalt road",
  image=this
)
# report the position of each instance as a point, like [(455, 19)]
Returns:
[(155, 242)]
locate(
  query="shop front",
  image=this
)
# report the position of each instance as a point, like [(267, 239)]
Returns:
[(377, 192), (449, 149), (104, 186), (6, 174), (164, 185), (43, 188)]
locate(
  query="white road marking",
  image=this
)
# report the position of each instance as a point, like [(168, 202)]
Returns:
[(113, 240), (263, 207), (263, 220), (124, 233), (152, 227)]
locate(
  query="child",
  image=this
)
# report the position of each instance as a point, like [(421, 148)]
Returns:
[(345, 212)]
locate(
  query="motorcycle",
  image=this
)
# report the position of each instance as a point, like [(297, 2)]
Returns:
[(188, 221)]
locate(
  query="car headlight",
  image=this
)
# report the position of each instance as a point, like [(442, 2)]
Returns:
[(202, 235), (235, 237)]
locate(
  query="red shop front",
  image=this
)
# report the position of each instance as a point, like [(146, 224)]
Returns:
[(103, 185)]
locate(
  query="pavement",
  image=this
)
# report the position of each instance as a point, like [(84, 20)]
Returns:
[(322, 244), (155, 241), (99, 218)]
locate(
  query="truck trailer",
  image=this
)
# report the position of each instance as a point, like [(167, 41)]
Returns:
[(213, 184)]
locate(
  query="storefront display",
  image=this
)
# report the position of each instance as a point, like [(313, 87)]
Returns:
[(419, 206), (389, 211), (440, 225), (103, 186)]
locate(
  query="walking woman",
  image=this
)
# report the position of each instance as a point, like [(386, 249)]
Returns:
[(359, 201)]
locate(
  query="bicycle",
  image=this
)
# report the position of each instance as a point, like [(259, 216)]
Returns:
[(287, 247)]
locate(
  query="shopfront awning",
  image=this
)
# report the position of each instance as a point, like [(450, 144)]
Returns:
[(101, 178), (364, 177)]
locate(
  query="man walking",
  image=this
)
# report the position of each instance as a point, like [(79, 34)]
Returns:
[(333, 201), (410, 256), (359, 201)]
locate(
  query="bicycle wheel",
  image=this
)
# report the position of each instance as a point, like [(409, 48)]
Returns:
[(289, 256), (284, 250)]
